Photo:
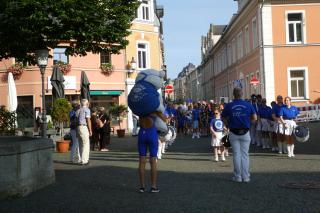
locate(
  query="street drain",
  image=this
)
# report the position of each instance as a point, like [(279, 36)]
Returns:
[(301, 185)]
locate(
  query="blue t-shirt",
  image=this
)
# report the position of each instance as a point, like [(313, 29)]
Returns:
[(238, 114), (276, 110), (265, 112), (255, 107), (216, 124), (195, 114), (289, 113)]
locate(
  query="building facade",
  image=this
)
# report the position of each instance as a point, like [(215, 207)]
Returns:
[(275, 41), (145, 47)]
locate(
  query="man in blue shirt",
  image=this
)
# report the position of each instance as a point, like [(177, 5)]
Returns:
[(282, 147), (195, 121), (238, 115), (75, 151), (84, 130)]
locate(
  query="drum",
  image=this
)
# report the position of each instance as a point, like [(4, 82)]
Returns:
[(225, 141), (170, 136), (301, 133)]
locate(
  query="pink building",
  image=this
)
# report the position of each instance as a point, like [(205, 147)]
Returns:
[(105, 90)]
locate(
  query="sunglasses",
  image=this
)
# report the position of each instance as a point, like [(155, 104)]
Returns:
[(216, 113)]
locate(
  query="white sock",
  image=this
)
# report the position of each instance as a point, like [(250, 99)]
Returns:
[(292, 148)]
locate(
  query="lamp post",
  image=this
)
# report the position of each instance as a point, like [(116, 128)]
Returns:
[(133, 65), (42, 61)]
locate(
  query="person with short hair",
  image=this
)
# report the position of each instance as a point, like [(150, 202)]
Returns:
[(195, 121), (84, 130), (288, 114), (278, 125), (148, 140), (74, 153), (238, 115)]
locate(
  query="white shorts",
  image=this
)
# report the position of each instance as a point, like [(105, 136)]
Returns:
[(288, 130), (264, 125), (217, 140), (273, 126), (259, 126)]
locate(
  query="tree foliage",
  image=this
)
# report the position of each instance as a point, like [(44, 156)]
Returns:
[(87, 25)]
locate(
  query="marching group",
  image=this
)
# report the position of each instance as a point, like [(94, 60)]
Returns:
[(273, 129), (245, 122)]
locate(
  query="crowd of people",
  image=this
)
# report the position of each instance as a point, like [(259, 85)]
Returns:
[(245, 122), (274, 125), (89, 129)]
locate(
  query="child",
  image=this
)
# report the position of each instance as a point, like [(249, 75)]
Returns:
[(216, 129)]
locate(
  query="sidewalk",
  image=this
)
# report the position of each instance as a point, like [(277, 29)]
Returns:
[(188, 179)]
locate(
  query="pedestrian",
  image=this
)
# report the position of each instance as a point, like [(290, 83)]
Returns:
[(216, 129), (105, 129), (253, 125), (282, 148), (288, 114), (95, 125), (75, 153), (195, 121), (148, 140), (84, 131), (263, 116), (237, 116), (105, 132)]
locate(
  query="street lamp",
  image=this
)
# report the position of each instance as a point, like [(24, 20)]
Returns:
[(133, 65), (42, 61)]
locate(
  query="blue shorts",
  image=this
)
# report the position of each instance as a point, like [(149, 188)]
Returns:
[(148, 138), (195, 124)]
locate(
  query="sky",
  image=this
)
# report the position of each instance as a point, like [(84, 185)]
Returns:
[(184, 22)]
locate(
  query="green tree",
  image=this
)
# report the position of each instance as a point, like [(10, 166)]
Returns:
[(87, 25)]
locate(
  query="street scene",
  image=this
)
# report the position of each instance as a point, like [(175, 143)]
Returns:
[(159, 106), (189, 179)]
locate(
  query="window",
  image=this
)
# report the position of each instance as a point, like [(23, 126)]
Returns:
[(254, 33), (142, 55), (240, 46), (144, 11), (229, 54), (234, 51), (294, 28), (297, 83), (105, 58), (247, 40), (60, 55)]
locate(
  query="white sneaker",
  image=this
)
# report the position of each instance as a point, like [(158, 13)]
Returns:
[(216, 159), (223, 158), (193, 136)]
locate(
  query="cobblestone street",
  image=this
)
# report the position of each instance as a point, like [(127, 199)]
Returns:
[(190, 181)]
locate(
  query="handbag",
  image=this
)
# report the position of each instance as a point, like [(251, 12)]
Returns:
[(225, 141)]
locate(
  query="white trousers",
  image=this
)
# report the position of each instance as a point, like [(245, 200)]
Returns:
[(75, 152), (240, 147), (84, 143)]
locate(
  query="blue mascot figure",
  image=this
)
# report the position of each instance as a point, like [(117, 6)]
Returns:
[(145, 101)]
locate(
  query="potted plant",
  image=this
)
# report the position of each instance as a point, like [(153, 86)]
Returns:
[(60, 114), (106, 69), (119, 112), (17, 69), (65, 68)]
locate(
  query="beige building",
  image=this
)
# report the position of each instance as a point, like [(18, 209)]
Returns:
[(278, 42)]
